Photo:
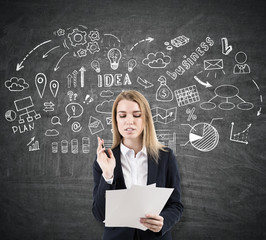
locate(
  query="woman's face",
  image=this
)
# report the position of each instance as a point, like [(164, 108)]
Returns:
[(130, 120)]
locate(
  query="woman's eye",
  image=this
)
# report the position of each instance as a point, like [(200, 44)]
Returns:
[(122, 116), (137, 116)]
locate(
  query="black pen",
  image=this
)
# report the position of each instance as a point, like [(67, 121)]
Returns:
[(106, 151)]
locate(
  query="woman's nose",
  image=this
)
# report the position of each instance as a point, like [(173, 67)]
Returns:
[(129, 119)]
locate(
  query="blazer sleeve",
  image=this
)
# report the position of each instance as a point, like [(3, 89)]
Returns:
[(173, 209), (100, 187)]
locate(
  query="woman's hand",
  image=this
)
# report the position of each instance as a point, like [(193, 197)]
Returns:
[(106, 163), (153, 222)]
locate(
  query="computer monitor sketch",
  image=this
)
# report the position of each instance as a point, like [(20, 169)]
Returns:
[(24, 104)]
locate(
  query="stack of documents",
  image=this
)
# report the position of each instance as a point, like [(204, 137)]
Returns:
[(124, 208)]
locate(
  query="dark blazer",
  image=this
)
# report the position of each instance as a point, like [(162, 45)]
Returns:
[(164, 174)]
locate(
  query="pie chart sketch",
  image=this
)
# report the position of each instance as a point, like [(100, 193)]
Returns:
[(10, 115), (203, 136)]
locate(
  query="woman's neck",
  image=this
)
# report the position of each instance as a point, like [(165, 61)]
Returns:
[(135, 144)]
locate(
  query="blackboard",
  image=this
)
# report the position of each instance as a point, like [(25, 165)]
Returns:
[(201, 65)]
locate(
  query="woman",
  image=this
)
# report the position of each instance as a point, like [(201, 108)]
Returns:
[(136, 158)]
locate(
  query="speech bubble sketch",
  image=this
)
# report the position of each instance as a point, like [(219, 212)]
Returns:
[(156, 60), (51, 133), (54, 86), (73, 110), (40, 83), (15, 84), (105, 107), (10, 115), (241, 67)]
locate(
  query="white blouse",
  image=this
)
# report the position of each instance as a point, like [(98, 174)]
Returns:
[(135, 169)]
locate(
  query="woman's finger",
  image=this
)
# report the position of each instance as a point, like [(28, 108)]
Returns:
[(101, 151), (154, 216), (110, 152), (99, 145), (153, 222)]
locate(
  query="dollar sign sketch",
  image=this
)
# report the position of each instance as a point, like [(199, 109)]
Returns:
[(164, 93)]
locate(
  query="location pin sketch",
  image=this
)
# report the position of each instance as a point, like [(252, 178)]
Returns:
[(54, 86), (40, 82)]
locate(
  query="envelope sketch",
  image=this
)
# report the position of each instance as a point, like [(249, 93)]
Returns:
[(213, 64), (95, 125)]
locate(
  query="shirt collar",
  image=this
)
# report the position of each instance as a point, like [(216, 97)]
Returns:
[(124, 150)]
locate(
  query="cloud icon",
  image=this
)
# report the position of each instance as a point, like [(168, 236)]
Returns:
[(156, 60), (16, 84), (105, 107), (107, 93), (51, 132)]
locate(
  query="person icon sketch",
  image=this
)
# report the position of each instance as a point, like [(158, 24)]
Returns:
[(136, 158), (241, 67)]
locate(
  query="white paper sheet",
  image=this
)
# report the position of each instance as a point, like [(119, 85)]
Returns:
[(124, 208)]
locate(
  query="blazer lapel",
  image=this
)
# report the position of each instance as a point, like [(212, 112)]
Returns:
[(119, 177), (152, 171)]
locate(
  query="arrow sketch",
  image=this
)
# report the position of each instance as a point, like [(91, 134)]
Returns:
[(82, 70), (207, 84), (46, 54), (149, 39), (56, 66), (20, 65)]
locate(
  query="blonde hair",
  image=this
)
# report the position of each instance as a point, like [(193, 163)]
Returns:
[(149, 138)]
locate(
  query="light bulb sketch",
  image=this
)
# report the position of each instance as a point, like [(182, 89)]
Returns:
[(96, 66), (114, 56), (131, 64)]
